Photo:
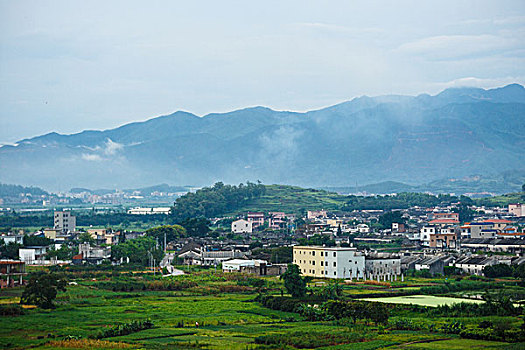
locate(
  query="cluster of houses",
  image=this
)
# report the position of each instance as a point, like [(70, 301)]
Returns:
[(432, 239), (257, 220)]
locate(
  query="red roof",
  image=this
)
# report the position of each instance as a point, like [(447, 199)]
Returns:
[(499, 221), (10, 262), (78, 257), (444, 221)]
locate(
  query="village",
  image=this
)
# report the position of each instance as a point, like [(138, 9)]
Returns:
[(351, 247)]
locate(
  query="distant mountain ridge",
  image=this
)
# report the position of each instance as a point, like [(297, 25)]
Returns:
[(410, 139)]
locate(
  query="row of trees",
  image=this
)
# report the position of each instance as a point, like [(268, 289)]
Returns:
[(215, 201)]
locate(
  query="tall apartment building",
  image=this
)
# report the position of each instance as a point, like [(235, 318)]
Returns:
[(329, 262), (64, 221)]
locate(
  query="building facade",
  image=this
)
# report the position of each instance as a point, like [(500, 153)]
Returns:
[(329, 262), (64, 221)]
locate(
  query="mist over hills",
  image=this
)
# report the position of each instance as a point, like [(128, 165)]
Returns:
[(461, 132)]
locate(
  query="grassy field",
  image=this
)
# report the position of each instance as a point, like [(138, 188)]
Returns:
[(230, 319), (291, 199)]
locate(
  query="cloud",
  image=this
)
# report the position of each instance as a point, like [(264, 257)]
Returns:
[(332, 28), (104, 152), (91, 157), (445, 47), (479, 82), (111, 147)]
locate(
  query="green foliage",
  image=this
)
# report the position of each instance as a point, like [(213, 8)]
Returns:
[(125, 329), (64, 253), (293, 281), (277, 255), (196, 227), (310, 340), (11, 310), (30, 241), (42, 289), (498, 270), (86, 237), (387, 219), (464, 211), (138, 250), (215, 201), (10, 250), (172, 232)]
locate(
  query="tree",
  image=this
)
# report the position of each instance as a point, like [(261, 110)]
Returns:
[(294, 282), (387, 219), (10, 250), (42, 289), (138, 250), (36, 241), (85, 237), (172, 232), (196, 227), (64, 253), (523, 188), (464, 211)]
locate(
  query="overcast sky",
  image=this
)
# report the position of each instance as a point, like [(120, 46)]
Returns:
[(67, 66)]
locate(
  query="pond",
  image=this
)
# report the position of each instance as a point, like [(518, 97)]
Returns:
[(423, 300)]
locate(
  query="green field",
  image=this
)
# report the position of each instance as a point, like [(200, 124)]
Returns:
[(423, 300), (229, 317)]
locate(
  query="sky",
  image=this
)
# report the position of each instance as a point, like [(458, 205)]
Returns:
[(67, 66)]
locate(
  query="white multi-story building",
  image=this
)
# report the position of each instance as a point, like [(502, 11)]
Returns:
[(242, 226), (329, 262), (424, 235)]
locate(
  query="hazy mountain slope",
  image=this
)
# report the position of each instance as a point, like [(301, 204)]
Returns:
[(457, 133)]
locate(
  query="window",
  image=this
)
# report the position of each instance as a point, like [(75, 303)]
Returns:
[(334, 263), (313, 253), (334, 273), (321, 253), (313, 262), (334, 254), (321, 263)]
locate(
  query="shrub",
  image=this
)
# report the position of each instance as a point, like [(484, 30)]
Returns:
[(125, 329), (11, 310)]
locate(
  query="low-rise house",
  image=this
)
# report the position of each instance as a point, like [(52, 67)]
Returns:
[(33, 255), (265, 270), (235, 265), (93, 255), (19, 239), (511, 245), (517, 209), (382, 266), (316, 214), (431, 263), (242, 226), (475, 265)]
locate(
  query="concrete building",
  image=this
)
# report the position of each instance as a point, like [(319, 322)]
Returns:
[(242, 226), (316, 214), (329, 262), (149, 211), (433, 264), (33, 255), (236, 265), (256, 219), (475, 265), (382, 267), (52, 233), (13, 239), (11, 273), (517, 209), (64, 221)]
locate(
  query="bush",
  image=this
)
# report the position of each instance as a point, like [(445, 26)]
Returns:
[(125, 329), (11, 310)]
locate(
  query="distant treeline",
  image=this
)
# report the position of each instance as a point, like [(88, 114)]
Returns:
[(402, 201), (215, 201), (17, 190), (112, 219)]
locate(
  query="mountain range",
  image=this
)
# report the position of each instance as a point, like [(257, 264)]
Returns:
[(460, 132)]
